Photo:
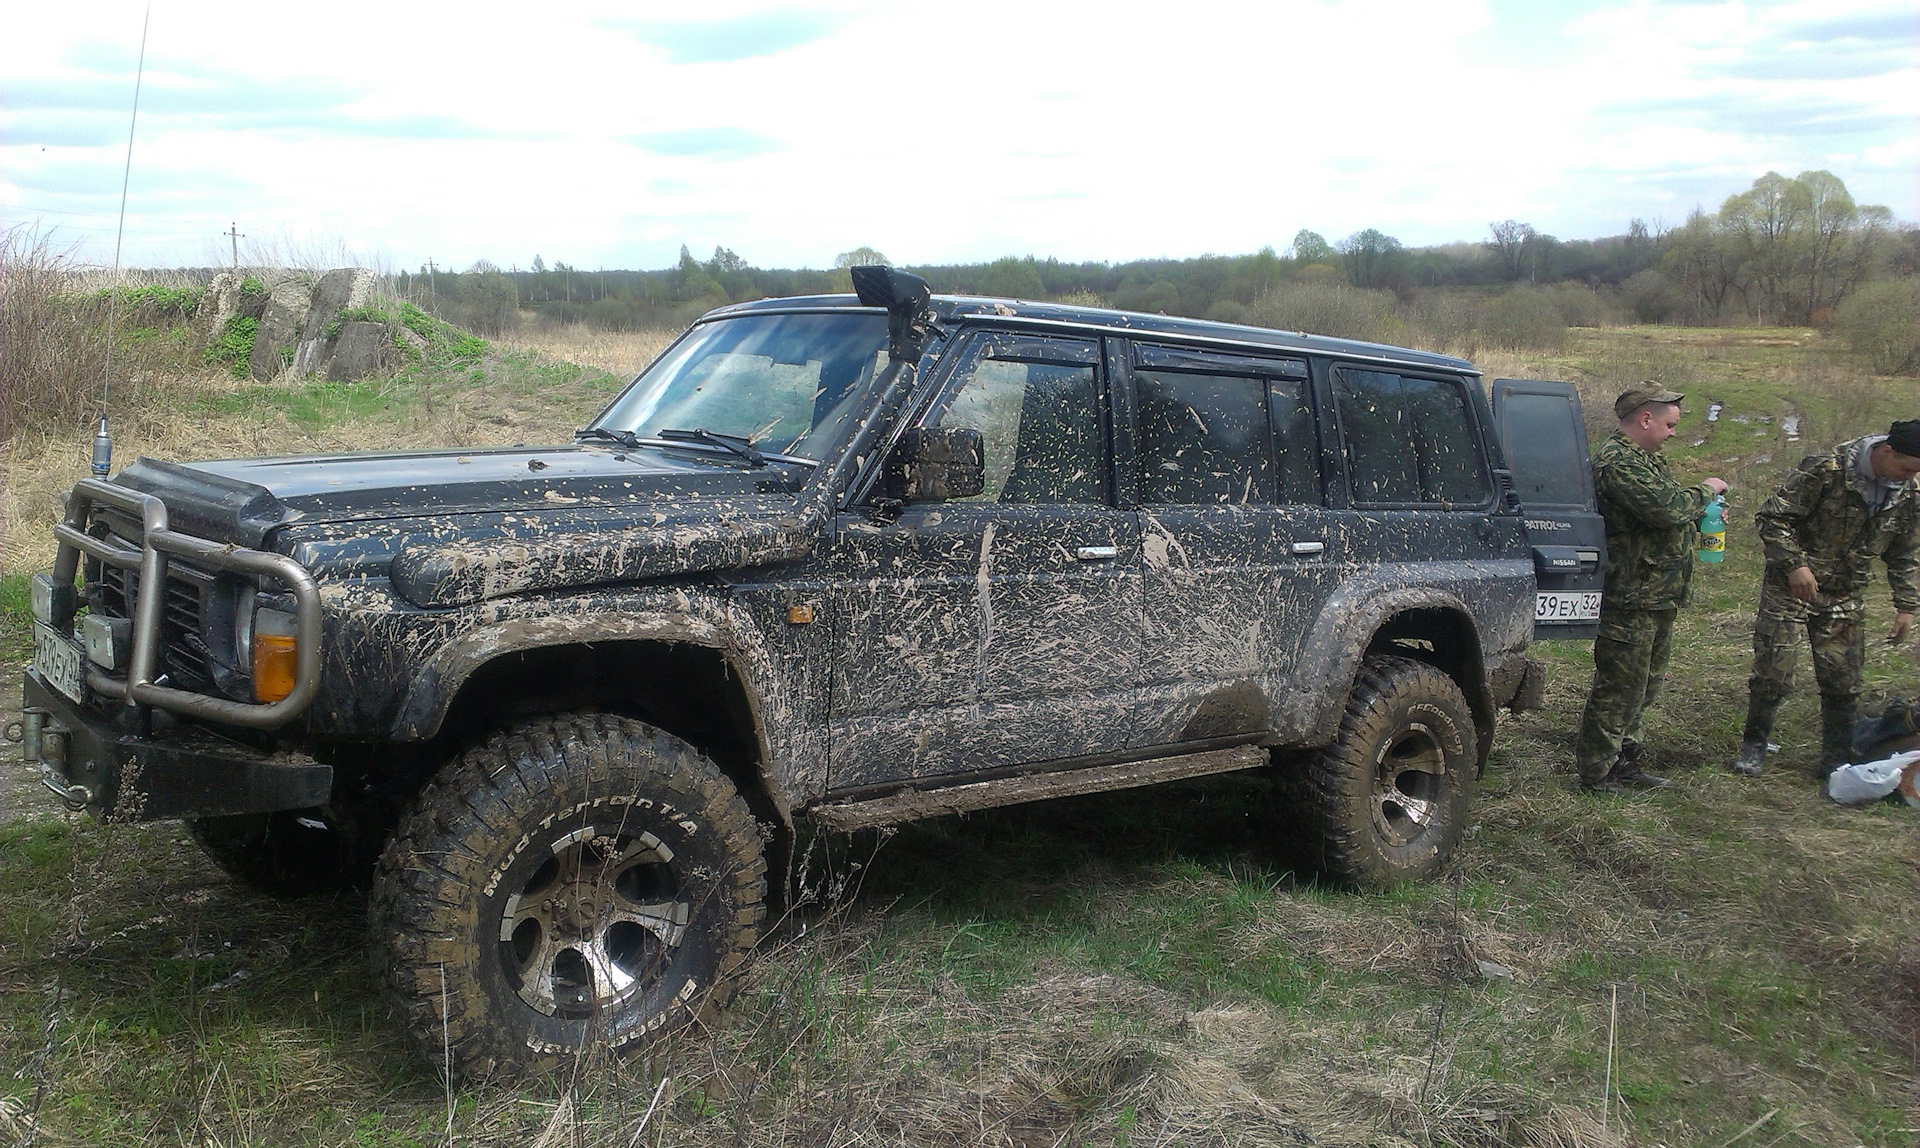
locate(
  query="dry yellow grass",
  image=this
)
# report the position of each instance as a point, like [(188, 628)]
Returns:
[(621, 353)]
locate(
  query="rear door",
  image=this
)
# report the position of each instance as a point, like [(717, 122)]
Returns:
[(1546, 447)]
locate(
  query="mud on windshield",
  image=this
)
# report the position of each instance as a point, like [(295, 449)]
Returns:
[(786, 383)]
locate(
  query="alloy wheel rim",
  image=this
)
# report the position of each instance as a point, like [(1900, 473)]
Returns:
[(595, 924), (1407, 781)]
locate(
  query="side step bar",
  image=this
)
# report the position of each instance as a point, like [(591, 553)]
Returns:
[(913, 804)]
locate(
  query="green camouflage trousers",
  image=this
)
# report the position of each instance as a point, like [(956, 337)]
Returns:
[(1835, 631), (1629, 667)]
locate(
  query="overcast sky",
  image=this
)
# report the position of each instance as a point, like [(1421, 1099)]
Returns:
[(609, 135)]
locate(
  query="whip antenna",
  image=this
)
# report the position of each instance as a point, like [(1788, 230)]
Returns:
[(102, 445)]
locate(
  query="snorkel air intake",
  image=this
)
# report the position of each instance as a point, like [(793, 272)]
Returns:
[(905, 297)]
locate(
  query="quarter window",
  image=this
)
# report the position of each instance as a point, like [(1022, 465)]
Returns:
[(1409, 440)]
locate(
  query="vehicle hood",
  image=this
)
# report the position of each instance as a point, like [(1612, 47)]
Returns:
[(251, 495), (455, 527)]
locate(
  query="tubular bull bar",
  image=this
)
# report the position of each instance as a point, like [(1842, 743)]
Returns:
[(157, 543)]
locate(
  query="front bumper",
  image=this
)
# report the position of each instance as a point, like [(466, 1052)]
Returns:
[(185, 772)]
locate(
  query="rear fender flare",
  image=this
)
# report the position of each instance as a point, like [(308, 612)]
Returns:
[(1345, 627)]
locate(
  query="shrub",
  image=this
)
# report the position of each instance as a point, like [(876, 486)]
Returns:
[(1524, 319), (234, 345), (1651, 297), (1445, 321), (1228, 311), (1580, 305), (1324, 308), (60, 356), (1881, 322)]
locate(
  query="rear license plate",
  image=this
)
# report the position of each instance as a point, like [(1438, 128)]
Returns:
[(60, 661), (1567, 606)]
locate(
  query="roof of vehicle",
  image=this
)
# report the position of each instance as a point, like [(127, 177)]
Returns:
[(952, 308)]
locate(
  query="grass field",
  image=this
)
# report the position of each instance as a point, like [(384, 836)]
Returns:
[(1729, 963)]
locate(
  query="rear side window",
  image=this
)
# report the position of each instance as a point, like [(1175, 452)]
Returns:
[(1542, 437), (1215, 427), (1409, 440), (1202, 439)]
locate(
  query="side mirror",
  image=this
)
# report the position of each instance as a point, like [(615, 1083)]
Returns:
[(933, 464)]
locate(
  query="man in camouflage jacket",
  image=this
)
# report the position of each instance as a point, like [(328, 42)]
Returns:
[(1652, 528), (1822, 529)]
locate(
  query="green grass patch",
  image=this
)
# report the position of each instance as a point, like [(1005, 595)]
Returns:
[(152, 300), (1136, 967), (234, 345), (16, 617)]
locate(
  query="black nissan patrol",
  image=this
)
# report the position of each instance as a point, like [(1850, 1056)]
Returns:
[(843, 560)]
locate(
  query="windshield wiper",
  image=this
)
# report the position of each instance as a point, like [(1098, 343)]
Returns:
[(735, 443), (625, 438)]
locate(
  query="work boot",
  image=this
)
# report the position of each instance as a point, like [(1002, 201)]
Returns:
[(1625, 777), (1760, 714), (1752, 754), (1836, 735)]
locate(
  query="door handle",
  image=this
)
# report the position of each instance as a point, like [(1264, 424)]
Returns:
[(1307, 547), (1096, 553)]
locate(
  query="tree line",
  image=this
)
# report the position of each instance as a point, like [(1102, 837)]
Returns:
[(1784, 251)]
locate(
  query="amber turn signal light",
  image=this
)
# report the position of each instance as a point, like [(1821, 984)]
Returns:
[(276, 655)]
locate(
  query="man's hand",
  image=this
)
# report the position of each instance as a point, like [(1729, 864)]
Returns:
[(1714, 485), (1901, 624), (1804, 587)]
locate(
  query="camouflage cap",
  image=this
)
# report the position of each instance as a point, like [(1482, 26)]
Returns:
[(1633, 398)]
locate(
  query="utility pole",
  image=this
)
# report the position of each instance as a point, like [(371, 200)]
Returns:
[(430, 274), (233, 232)]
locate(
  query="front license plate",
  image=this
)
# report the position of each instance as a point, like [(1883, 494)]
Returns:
[(60, 661), (1567, 606)]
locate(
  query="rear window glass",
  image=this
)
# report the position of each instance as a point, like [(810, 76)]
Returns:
[(1542, 438), (1409, 440)]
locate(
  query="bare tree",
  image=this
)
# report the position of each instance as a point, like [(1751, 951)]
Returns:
[(1511, 240)]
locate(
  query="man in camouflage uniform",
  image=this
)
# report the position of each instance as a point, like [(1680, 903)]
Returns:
[(1652, 527), (1822, 529)]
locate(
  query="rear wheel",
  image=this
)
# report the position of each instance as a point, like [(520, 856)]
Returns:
[(581, 883), (1390, 797)]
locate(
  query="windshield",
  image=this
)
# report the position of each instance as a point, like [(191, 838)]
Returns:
[(785, 383)]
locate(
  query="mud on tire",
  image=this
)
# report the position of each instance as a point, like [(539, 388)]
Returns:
[(585, 882), (1389, 798)]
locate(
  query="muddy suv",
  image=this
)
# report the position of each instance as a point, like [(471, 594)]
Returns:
[(839, 560)]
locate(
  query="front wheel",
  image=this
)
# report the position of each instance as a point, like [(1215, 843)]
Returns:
[(583, 882), (1390, 797)]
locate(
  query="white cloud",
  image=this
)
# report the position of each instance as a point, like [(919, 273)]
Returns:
[(609, 134)]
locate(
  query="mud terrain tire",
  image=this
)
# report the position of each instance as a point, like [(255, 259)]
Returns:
[(284, 854), (584, 883), (1390, 797)]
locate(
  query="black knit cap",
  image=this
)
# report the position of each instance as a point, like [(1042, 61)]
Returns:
[(1904, 437)]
